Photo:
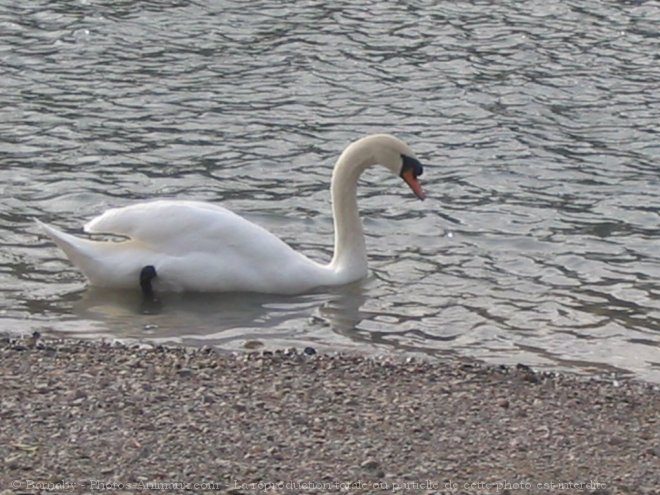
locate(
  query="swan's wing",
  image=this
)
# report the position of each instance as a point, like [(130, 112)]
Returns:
[(185, 226)]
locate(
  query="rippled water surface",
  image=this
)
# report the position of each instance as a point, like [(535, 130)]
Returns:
[(539, 123)]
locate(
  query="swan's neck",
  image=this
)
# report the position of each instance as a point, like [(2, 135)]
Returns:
[(350, 256)]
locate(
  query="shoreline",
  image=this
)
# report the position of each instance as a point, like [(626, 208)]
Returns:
[(83, 416)]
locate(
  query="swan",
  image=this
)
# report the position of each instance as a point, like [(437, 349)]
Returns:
[(179, 245)]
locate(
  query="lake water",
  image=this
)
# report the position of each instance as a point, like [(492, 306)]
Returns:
[(538, 122)]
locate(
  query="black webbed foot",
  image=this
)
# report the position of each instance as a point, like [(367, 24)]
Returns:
[(150, 302), (147, 274)]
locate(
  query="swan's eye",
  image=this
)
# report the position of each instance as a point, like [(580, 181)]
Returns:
[(410, 163)]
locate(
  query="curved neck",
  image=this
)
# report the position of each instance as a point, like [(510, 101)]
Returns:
[(350, 255)]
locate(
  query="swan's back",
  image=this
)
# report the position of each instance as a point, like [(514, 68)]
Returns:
[(201, 246), (181, 226)]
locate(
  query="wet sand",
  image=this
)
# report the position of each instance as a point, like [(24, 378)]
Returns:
[(91, 417)]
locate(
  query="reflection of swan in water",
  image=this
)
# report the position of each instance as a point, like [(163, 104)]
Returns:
[(225, 320), (341, 312), (333, 320)]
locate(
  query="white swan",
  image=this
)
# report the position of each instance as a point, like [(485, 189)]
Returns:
[(196, 246)]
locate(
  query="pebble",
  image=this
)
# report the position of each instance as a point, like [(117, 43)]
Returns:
[(370, 465)]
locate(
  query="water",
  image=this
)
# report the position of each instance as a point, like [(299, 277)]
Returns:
[(538, 122)]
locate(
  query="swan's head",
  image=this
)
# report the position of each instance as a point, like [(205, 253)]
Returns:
[(379, 149), (397, 156)]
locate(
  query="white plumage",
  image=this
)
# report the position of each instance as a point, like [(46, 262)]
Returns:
[(196, 246)]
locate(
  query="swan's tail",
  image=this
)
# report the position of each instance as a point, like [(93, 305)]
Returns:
[(79, 251)]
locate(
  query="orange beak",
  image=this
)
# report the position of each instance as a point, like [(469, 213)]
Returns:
[(409, 176)]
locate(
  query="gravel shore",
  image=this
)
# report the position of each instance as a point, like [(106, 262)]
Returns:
[(89, 417)]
